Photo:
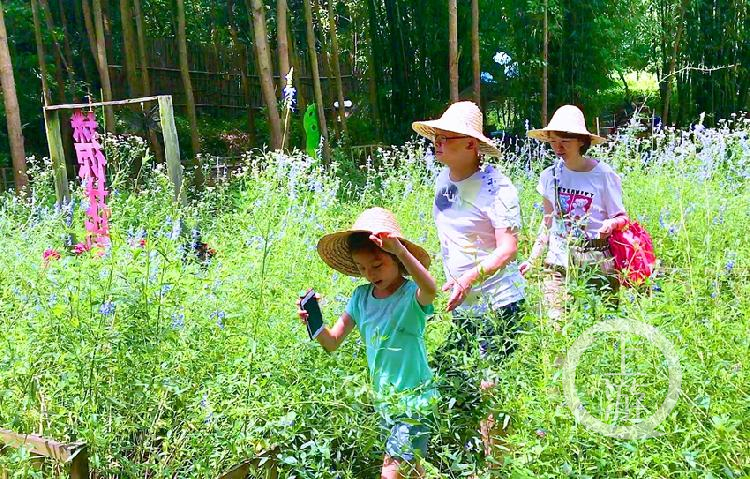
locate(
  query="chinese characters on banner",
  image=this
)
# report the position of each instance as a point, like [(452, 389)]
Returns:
[(92, 172)]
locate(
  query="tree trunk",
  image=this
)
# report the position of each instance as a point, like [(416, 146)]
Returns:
[(240, 57), (545, 60), (91, 34), (188, 87), (107, 22), (86, 60), (297, 64), (12, 112), (101, 56), (40, 53), (143, 59), (475, 51), (673, 60), (69, 61), (374, 67), (282, 42), (336, 66), (153, 138), (453, 48), (399, 85), (325, 57), (316, 81), (57, 52), (129, 45), (266, 71)]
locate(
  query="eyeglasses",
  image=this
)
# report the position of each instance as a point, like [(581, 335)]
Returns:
[(562, 141), (443, 138)]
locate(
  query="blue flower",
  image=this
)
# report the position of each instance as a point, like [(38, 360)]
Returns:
[(178, 320), (487, 77), (290, 98), (538, 207), (662, 218), (176, 230), (729, 266), (107, 308), (219, 316)]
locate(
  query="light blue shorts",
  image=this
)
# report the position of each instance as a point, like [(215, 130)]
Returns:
[(406, 441)]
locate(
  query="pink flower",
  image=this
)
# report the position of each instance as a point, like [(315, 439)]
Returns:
[(81, 248), (50, 254)]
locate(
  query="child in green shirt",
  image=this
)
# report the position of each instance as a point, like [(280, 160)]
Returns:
[(390, 312)]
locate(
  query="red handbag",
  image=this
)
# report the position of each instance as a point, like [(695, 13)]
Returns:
[(633, 252)]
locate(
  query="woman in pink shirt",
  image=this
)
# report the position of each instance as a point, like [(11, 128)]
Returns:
[(582, 206)]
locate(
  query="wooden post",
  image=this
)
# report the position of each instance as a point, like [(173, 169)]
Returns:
[(264, 463), (75, 454), (171, 147), (453, 48), (79, 465), (57, 155)]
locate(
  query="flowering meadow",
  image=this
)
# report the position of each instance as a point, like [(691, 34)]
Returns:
[(176, 352)]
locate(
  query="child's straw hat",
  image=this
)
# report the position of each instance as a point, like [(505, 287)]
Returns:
[(333, 248), (567, 119), (464, 118)]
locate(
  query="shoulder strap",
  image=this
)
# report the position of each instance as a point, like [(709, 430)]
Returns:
[(557, 206)]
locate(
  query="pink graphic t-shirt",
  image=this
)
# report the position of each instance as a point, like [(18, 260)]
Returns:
[(587, 199)]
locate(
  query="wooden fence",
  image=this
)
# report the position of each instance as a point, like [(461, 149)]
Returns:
[(215, 77), (6, 179)]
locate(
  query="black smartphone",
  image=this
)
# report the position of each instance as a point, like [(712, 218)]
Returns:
[(314, 316)]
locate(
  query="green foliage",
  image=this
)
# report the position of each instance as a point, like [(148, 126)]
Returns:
[(173, 365)]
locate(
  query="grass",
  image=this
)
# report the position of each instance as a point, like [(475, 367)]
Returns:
[(169, 366)]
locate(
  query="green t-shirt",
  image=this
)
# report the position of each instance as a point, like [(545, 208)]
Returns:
[(392, 329)]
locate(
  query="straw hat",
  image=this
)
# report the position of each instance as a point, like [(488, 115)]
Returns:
[(567, 119), (333, 248), (464, 118)]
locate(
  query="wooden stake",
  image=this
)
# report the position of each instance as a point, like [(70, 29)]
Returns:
[(57, 155), (171, 147)]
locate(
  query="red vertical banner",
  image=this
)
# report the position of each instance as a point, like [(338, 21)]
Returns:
[(92, 170)]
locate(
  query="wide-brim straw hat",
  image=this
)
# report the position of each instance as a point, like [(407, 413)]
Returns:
[(334, 250), (567, 119), (463, 118)]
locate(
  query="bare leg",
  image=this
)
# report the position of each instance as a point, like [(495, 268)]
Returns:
[(489, 428), (397, 469), (554, 297)]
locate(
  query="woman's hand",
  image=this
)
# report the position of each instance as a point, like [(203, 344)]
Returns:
[(388, 242), (524, 267), (611, 225)]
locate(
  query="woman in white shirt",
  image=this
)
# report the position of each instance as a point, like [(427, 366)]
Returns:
[(582, 206)]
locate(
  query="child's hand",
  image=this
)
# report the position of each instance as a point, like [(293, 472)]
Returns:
[(301, 312), (388, 242)]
